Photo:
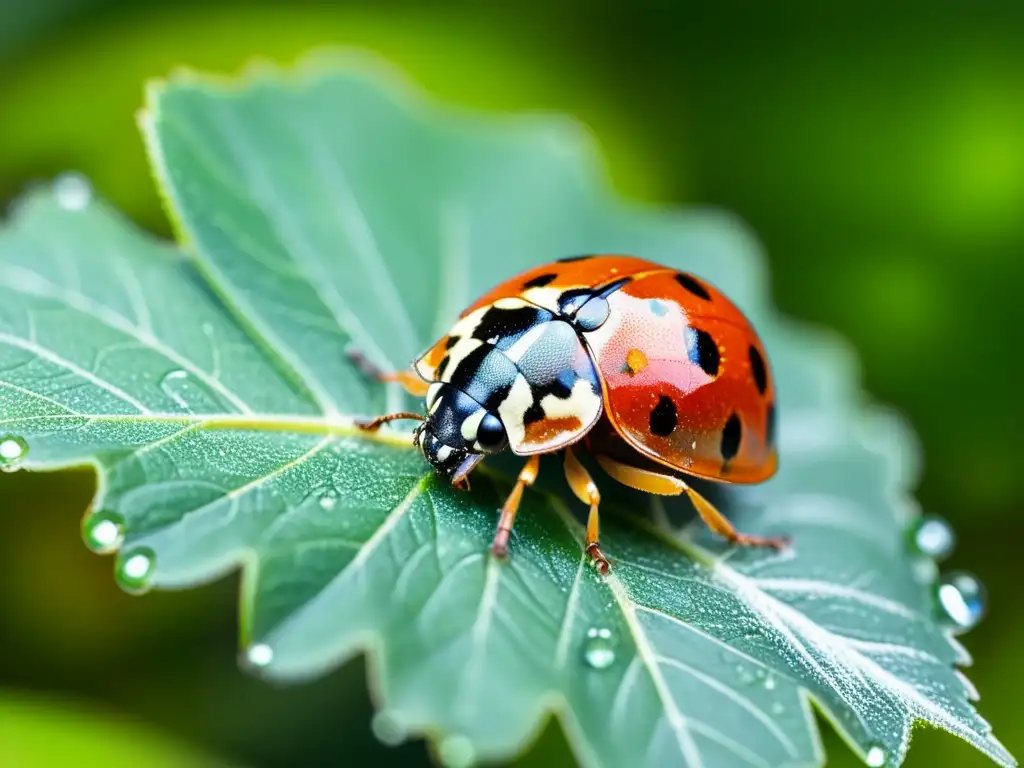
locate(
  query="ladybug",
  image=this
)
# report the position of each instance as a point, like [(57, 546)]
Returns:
[(653, 371)]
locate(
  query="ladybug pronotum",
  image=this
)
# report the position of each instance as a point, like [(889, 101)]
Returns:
[(653, 371)]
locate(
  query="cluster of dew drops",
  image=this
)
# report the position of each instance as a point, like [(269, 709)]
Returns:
[(960, 597)]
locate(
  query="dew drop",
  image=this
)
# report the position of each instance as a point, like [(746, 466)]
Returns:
[(103, 531), (961, 597), (134, 569), (388, 727), (933, 536), (599, 648), (746, 677), (260, 655), (778, 708), (875, 757), (72, 191), (328, 499), (13, 450), (172, 384), (457, 752), (769, 683)]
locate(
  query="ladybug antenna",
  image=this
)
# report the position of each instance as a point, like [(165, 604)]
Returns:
[(375, 424)]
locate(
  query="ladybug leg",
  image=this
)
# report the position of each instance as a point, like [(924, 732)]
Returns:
[(666, 485), (718, 523), (508, 510), (586, 491), (409, 379)]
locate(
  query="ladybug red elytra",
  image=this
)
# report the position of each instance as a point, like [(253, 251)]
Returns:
[(653, 371)]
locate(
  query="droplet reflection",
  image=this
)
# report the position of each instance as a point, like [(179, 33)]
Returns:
[(103, 531), (388, 727), (72, 191), (961, 597), (260, 655), (134, 570), (875, 757), (599, 648), (457, 752), (933, 536), (13, 450)]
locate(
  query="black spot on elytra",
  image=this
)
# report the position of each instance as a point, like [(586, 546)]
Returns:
[(533, 414), (690, 283), (509, 323), (732, 433), (769, 429), (758, 369), (452, 341), (539, 281), (664, 417), (703, 351), (567, 259)]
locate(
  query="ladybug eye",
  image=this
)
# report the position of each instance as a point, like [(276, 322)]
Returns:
[(491, 433)]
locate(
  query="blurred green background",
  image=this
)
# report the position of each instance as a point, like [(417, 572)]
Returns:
[(877, 149)]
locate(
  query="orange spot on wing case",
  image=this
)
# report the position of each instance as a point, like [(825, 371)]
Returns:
[(546, 430)]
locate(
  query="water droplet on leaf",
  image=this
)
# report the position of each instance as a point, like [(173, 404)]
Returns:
[(134, 570), (875, 757), (173, 384), (328, 499), (72, 191), (769, 683), (778, 708), (260, 655), (599, 648), (13, 450), (457, 752), (933, 536), (745, 676), (388, 727), (103, 531), (961, 598)]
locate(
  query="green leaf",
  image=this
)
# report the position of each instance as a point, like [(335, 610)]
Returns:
[(334, 206)]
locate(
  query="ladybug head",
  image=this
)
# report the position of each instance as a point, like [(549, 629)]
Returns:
[(445, 459), (458, 432)]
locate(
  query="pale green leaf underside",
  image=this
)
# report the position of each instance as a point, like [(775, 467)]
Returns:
[(336, 207)]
